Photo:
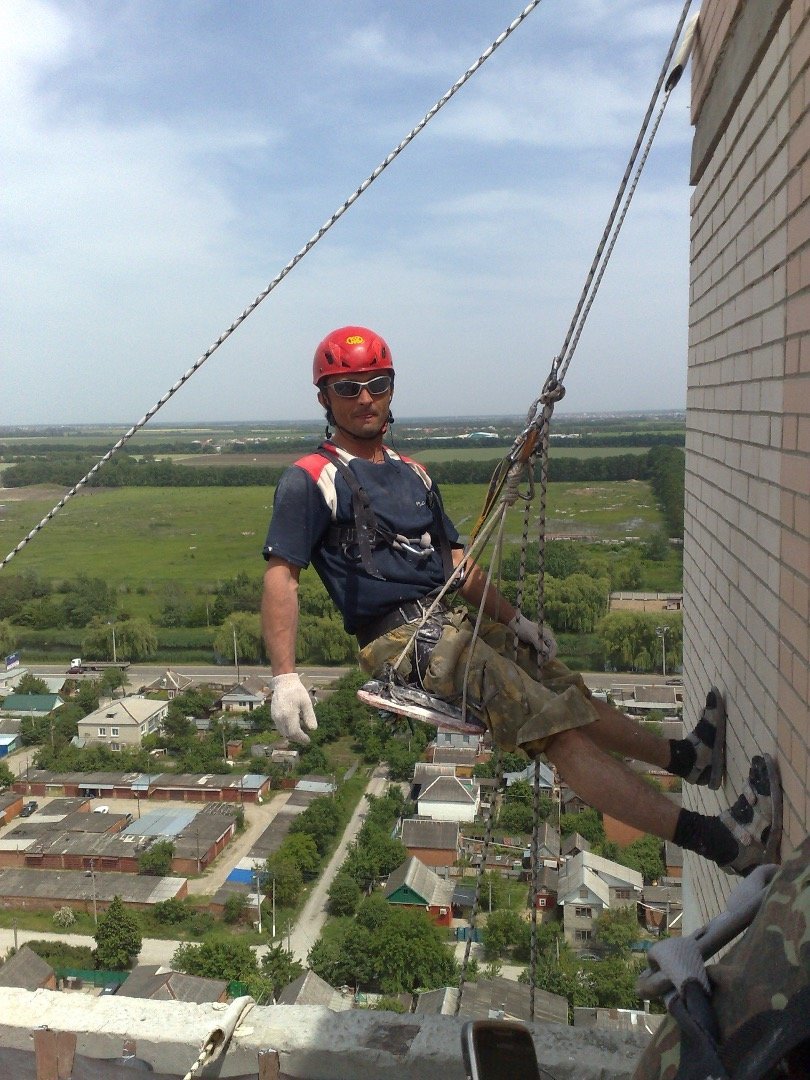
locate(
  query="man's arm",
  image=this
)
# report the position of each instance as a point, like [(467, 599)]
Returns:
[(290, 706), (280, 613), (495, 605)]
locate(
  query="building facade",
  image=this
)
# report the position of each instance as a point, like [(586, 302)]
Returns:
[(747, 526)]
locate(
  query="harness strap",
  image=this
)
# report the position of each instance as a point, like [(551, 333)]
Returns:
[(367, 532), (365, 520)]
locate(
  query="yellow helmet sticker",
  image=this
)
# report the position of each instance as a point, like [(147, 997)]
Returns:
[(355, 339)]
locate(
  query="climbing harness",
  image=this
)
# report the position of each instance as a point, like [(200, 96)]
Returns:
[(358, 541)]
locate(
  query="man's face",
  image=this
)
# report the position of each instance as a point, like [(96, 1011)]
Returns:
[(363, 416)]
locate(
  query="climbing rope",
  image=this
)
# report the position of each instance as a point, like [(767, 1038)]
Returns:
[(310, 244), (531, 447)]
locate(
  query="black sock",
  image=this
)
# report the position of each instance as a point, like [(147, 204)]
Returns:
[(682, 757), (706, 836)]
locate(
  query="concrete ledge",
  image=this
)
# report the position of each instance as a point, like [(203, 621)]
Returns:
[(313, 1043)]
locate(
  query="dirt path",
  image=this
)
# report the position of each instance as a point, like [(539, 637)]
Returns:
[(257, 818), (313, 915)]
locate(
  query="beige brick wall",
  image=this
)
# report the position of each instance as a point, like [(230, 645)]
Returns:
[(747, 543)]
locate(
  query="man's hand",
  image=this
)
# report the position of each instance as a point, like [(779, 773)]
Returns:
[(291, 708), (529, 633)]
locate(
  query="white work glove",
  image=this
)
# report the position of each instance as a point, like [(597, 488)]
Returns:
[(291, 708), (529, 633)]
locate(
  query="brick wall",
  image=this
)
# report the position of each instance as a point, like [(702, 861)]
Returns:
[(747, 543)]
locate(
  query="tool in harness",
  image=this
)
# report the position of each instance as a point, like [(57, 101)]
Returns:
[(359, 540)]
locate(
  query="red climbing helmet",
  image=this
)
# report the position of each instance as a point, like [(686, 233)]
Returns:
[(351, 350)]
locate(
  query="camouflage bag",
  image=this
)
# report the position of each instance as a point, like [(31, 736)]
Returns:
[(758, 1021)]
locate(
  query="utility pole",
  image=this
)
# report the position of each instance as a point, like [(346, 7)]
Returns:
[(93, 880), (235, 652), (274, 907), (258, 894), (662, 632)]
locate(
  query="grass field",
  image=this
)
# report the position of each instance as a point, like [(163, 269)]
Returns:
[(143, 538)]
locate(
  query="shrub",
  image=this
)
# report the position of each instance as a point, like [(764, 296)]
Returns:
[(64, 917)]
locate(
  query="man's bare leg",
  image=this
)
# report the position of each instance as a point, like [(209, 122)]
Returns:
[(617, 732), (609, 785)]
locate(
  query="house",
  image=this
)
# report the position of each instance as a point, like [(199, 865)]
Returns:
[(10, 743), (573, 844), (673, 859), (413, 884), (618, 1019), (171, 683), (545, 899), (450, 799), (123, 723), (463, 759), (434, 843), (505, 999), (448, 738), (27, 970), (571, 802), (663, 909), (425, 772), (151, 981), (546, 776), (588, 885), (31, 704), (311, 989), (243, 698)]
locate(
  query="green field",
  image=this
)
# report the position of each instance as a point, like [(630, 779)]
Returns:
[(148, 537)]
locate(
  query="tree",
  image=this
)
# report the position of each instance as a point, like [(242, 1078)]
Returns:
[(135, 639), (7, 777), (287, 876), (516, 818), (229, 959), (617, 929), (245, 627), (587, 824), (280, 968), (111, 680), (8, 638), (503, 930), (30, 684), (157, 860), (644, 855), (118, 938), (344, 895), (302, 850), (234, 908)]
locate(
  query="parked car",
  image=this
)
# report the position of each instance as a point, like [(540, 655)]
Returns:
[(101, 809), (109, 989), (29, 808)]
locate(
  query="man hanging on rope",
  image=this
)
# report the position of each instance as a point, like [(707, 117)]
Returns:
[(372, 524)]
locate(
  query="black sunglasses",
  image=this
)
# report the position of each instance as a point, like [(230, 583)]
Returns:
[(349, 388)]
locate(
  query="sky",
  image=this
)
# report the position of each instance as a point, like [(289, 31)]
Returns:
[(166, 158)]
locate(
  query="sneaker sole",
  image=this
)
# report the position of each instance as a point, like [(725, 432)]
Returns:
[(775, 836), (370, 695), (719, 748)]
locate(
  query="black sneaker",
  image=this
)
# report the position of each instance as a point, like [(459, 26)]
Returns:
[(709, 742), (755, 819)]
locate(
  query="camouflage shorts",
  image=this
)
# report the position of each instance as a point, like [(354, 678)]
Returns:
[(521, 710)]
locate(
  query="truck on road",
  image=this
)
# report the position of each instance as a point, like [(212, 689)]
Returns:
[(80, 667)]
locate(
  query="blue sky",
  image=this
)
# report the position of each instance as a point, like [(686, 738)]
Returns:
[(166, 158)]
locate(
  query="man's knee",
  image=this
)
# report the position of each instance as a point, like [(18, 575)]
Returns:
[(563, 745)]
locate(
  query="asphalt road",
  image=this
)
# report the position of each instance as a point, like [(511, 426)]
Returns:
[(139, 675)]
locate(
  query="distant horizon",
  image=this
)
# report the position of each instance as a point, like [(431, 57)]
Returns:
[(589, 414)]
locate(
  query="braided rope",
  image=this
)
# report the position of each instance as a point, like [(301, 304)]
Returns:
[(203, 1056), (457, 85)]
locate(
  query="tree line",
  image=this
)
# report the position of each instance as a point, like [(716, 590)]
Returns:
[(658, 465)]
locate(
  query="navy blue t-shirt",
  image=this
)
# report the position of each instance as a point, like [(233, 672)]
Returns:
[(312, 496)]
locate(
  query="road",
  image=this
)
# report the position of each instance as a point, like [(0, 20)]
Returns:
[(138, 675), (313, 915)]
